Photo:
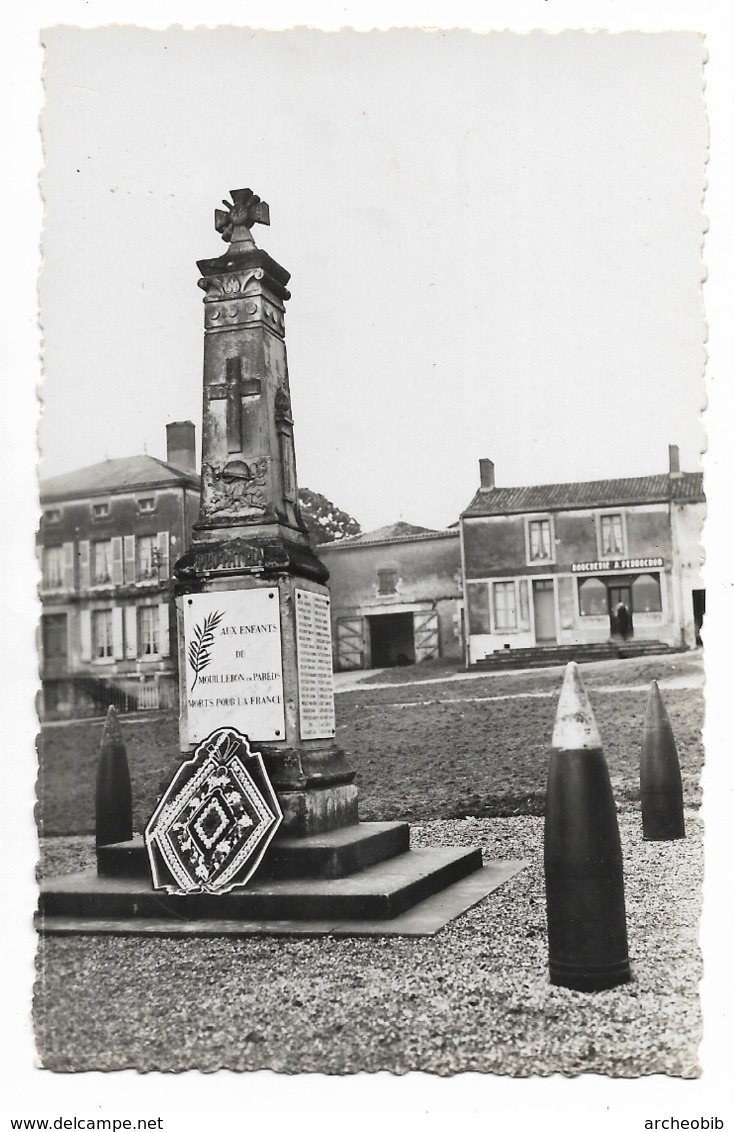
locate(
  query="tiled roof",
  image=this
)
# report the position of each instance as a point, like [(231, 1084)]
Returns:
[(685, 488), (394, 532), (124, 474)]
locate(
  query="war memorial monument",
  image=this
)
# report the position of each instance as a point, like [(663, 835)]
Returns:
[(258, 830)]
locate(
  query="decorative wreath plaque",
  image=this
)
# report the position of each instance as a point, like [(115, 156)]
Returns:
[(215, 820)]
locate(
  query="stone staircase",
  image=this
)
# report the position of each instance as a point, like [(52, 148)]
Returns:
[(544, 656)]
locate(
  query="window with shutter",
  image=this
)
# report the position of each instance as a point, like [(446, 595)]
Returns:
[(116, 561), (84, 564), (85, 634), (117, 641), (505, 612), (102, 641), (522, 587), (53, 567), (129, 557), (387, 581), (55, 636), (147, 555), (131, 632), (148, 631), (68, 565), (163, 555), (102, 562), (163, 634)]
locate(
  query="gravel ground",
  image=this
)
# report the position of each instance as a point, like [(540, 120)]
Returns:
[(474, 997)]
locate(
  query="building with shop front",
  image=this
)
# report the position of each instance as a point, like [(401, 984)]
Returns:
[(583, 563), (396, 596), (108, 536)]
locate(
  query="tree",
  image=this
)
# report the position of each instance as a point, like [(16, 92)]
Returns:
[(325, 522)]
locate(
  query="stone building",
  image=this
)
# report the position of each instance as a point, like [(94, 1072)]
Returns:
[(550, 565), (108, 536), (396, 596)]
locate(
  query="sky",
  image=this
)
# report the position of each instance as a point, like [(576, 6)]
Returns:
[(494, 242)]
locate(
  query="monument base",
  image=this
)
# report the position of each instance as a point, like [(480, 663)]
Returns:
[(313, 811), (360, 880), (423, 919)]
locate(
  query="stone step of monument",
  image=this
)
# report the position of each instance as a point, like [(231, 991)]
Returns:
[(338, 853), (424, 918), (380, 892)]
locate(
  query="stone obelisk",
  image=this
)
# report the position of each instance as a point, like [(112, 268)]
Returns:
[(253, 608)]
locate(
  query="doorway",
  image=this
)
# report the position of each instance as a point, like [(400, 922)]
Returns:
[(392, 640), (620, 625), (544, 609), (699, 610)]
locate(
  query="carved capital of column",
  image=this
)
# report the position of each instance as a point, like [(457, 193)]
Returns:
[(233, 314)]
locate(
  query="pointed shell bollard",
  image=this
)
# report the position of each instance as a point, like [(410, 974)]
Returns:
[(661, 788), (114, 808), (587, 926)]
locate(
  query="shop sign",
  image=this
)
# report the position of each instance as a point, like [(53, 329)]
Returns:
[(617, 564)]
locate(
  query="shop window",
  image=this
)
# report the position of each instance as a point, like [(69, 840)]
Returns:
[(55, 637), (148, 631), (593, 598), (477, 596), (100, 510), (53, 567), (102, 561), (646, 594), (611, 534), (147, 557), (505, 612), (539, 540), (387, 581), (102, 633)]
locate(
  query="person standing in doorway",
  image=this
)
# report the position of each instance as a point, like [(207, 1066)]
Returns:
[(623, 620)]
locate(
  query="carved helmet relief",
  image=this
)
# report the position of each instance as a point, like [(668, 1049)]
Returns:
[(236, 487)]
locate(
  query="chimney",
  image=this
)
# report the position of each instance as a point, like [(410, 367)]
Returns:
[(181, 445), (674, 459), (486, 473)]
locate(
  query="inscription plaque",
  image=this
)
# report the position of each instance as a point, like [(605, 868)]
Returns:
[(315, 680), (234, 666)]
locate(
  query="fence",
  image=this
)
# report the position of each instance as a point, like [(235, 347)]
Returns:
[(91, 695)]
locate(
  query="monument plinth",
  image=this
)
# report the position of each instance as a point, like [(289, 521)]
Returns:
[(250, 583)]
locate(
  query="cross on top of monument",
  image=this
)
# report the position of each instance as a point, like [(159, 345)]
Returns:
[(245, 210)]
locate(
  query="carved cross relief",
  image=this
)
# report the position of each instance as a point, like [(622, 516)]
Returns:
[(234, 390)]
